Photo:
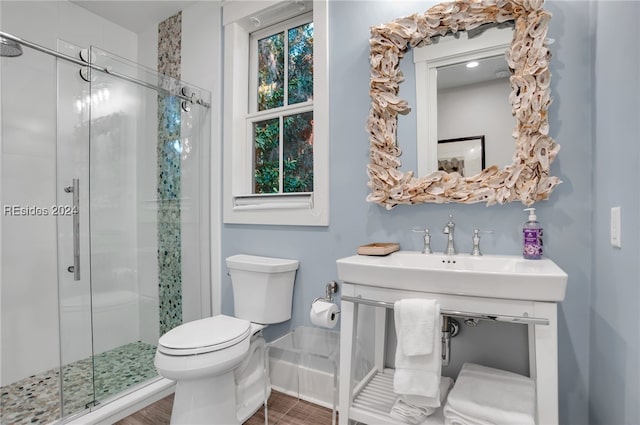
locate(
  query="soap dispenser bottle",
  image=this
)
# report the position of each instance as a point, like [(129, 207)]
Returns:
[(532, 237)]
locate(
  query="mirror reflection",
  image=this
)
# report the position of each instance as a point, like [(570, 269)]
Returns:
[(473, 107), (462, 90)]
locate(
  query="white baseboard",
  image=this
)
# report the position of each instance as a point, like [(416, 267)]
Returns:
[(312, 385)]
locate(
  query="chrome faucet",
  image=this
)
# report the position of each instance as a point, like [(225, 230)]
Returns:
[(448, 230)]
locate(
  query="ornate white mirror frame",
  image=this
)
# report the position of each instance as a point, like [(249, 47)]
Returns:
[(527, 179)]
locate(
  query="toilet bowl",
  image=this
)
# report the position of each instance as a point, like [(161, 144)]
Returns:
[(218, 362), (201, 356)]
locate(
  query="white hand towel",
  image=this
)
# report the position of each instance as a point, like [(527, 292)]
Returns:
[(419, 375), (415, 321), (484, 395), (438, 416), (425, 402), (413, 410)]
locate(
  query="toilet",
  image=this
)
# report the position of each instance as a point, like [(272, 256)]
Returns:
[(218, 362)]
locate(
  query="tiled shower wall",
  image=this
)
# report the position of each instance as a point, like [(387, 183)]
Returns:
[(169, 181)]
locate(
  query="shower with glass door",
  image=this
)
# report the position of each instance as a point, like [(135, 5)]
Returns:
[(105, 227)]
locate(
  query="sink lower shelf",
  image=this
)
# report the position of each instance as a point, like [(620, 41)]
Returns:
[(354, 400), (375, 399)]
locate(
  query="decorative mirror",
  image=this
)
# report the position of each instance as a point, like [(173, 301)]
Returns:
[(527, 179)]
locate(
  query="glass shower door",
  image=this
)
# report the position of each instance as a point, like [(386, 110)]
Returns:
[(72, 223), (121, 163), (32, 193), (105, 194), (146, 212), (130, 241)]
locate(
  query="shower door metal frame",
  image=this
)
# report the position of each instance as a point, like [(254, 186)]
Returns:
[(179, 94)]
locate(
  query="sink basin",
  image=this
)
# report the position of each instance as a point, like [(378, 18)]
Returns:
[(492, 276)]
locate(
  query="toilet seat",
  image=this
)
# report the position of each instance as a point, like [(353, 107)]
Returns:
[(204, 336)]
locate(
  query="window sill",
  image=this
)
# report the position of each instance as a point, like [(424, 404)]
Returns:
[(300, 209), (300, 201)]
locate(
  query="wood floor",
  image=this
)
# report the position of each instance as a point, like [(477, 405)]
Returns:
[(283, 410)]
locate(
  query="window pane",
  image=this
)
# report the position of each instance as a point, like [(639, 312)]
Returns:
[(266, 158), (271, 72), (300, 64), (298, 152)]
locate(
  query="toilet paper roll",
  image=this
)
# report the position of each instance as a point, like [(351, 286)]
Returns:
[(324, 314)]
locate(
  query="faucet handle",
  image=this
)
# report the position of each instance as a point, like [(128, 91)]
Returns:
[(476, 241), (426, 249)]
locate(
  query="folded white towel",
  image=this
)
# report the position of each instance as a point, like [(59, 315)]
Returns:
[(488, 396), (410, 414), (436, 419), (420, 375), (415, 409), (451, 417), (415, 322)]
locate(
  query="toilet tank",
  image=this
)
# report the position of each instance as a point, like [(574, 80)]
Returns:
[(262, 287)]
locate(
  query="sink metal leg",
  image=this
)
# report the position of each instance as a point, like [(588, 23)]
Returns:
[(543, 360), (349, 319)]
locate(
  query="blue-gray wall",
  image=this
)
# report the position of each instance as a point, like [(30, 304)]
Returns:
[(567, 217), (614, 394)]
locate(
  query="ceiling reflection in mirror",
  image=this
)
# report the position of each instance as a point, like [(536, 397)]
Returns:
[(525, 176), (473, 72)]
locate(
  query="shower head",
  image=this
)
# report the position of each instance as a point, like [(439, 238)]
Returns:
[(9, 48)]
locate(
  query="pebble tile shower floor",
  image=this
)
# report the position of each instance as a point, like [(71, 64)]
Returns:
[(36, 399)]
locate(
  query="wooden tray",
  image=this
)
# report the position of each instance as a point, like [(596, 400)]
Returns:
[(378, 248)]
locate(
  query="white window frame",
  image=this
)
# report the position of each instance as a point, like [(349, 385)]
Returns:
[(240, 205)]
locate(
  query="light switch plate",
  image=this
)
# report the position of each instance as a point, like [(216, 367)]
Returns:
[(616, 231)]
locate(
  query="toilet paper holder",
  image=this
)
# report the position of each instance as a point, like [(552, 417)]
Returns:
[(330, 289)]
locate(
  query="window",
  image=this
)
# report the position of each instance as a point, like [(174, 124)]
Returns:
[(281, 116), (276, 113)]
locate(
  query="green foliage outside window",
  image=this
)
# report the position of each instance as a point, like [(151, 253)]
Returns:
[(298, 153), (271, 72), (300, 64), (297, 131), (266, 156)]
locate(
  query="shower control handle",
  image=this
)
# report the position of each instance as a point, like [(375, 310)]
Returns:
[(75, 189)]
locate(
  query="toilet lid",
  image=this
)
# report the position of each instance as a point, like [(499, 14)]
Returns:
[(205, 335)]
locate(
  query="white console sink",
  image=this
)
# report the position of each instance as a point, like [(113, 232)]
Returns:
[(492, 276)]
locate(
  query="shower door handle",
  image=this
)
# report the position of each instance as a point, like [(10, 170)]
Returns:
[(75, 190)]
